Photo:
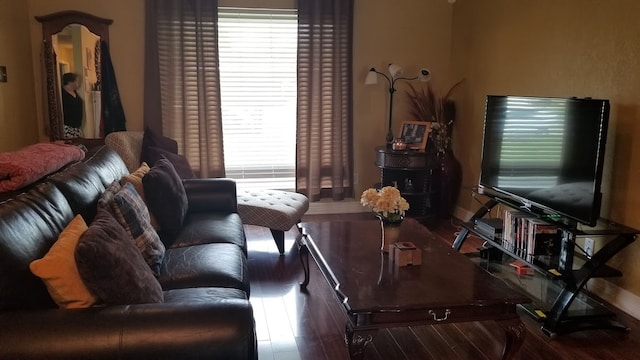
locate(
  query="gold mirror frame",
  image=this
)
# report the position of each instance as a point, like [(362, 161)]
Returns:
[(51, 25)]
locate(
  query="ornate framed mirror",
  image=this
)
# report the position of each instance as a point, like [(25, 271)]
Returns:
[(71, 45)]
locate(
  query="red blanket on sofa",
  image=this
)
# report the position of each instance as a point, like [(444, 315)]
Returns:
[(22, 167)]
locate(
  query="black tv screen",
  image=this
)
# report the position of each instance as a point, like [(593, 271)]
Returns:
[(546, 153)]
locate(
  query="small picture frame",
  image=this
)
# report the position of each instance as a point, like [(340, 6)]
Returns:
[(415, 134)]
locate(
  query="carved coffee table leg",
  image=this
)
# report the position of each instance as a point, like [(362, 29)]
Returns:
[(515, 332), (303, 250), (357, 341)]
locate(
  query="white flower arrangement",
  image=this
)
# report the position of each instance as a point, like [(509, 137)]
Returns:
[(386, 202)]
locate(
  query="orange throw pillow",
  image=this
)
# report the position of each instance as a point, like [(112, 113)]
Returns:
[(59, 271)]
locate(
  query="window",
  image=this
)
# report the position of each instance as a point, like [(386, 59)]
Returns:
[(258, 52)]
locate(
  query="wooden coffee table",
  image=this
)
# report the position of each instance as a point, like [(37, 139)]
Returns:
[(374, 293)]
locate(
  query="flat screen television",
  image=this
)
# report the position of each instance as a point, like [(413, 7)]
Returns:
[(546, 154)]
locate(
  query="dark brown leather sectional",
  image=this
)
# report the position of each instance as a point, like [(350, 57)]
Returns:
[(206, 311)]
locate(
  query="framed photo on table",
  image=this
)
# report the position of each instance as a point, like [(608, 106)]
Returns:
[(415, 134)]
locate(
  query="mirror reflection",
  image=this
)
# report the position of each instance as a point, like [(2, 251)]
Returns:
[(74, 43), (76, 70)]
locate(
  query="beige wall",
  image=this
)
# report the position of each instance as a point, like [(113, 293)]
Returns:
[(17, 108), (555, 48), (412, 34)]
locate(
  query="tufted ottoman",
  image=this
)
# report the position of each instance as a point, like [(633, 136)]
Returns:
[(275, 209)]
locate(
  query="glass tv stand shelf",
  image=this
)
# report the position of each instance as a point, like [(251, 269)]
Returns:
[(559, 299)]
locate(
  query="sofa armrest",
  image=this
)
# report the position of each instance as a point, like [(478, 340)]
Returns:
[(213, 194), (215, 330)]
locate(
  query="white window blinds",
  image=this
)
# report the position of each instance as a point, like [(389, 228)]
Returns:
[(257, 51)]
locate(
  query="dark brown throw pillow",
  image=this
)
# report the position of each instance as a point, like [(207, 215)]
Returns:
[(152, 139), (112, 267), (166, 199), (179, 162)]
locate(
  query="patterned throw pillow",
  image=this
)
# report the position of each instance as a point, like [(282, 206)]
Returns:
[(135, 178), (107, 196), (131, 212), (59, 272), (111, 266)]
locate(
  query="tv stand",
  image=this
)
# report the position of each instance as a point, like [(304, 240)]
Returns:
[(570, 278)]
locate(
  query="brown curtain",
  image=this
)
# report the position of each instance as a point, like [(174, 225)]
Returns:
[(182, 87), (324, 157)]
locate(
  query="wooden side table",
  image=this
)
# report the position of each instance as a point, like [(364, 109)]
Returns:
[(411, 171)]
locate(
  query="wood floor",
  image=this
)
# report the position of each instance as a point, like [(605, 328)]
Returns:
[(295, 325)]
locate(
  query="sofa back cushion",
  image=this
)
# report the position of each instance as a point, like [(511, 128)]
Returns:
[(29, 225), (84, 183)]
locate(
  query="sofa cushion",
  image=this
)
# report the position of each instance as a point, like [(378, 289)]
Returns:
[(112, 267), (211, 228), (30, 225), (84, 183), (166, 198), (81, 187), (131, 212), (203, 295), (108, 165), (59, 271), (210, 265), (179, 162), (153, 139)]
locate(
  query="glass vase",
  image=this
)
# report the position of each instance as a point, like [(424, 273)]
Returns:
[(390, 233)]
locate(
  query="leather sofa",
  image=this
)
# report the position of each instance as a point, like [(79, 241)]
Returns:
[(206, 311)]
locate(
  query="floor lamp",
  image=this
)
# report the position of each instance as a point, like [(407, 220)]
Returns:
[(395, 74)]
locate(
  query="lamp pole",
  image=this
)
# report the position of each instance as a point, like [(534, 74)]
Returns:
[(392, 79)]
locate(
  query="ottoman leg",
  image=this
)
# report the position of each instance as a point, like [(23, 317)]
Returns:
[(278, 236)]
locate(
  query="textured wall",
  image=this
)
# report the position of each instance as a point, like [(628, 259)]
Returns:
[(555, 48), (412, 34), (17, 108)]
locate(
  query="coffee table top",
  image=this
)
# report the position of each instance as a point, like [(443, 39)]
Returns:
[(348, 253)]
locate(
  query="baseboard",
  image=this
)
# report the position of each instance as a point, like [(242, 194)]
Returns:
[(462, 214), (347, 206), (613, 294), (616, 296)]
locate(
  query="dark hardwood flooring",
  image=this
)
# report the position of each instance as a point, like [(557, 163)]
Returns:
[(295, 325)]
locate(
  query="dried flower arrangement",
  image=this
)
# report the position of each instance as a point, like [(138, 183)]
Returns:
[(440, 111)]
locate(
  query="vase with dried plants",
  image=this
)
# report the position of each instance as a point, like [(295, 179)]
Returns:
[(425, 105)]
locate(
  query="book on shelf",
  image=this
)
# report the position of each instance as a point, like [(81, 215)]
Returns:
[(530, 238), (511, 230), (543, 241)]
